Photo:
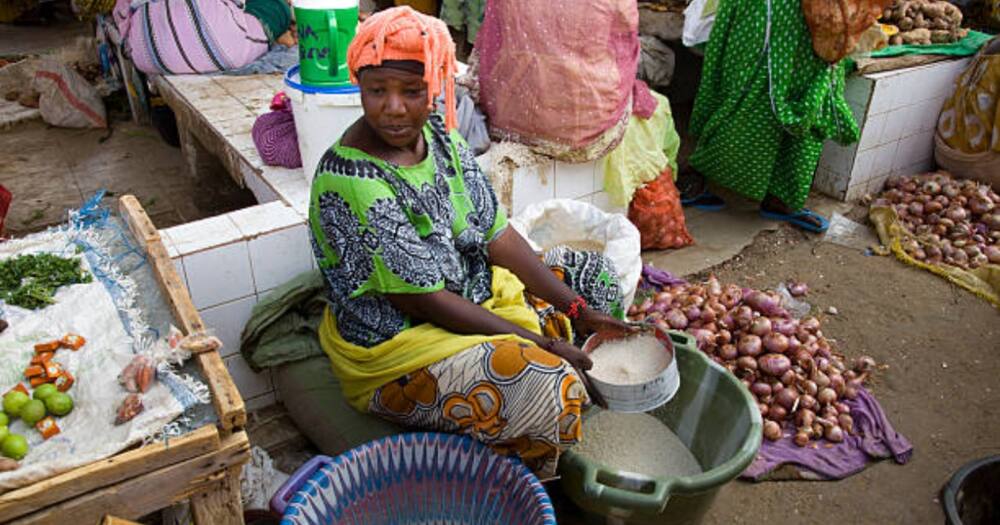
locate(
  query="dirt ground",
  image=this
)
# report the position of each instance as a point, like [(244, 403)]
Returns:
[(941, 388)]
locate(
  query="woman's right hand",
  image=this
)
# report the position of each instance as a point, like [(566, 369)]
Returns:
[(573, 355)]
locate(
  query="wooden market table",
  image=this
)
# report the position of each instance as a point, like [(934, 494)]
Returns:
[(202, 466)]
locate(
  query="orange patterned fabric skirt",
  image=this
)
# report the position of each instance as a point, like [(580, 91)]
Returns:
[(515, 397)]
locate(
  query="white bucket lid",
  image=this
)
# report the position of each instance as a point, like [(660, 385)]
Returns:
[(325, 4)]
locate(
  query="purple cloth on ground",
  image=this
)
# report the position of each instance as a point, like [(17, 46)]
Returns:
[(275, 137), (875, 439), (653, 277)]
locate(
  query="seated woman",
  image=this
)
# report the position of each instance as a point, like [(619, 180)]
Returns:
[(441, 317), (179, 37)]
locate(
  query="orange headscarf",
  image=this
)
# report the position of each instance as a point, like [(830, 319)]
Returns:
[(401, 33)]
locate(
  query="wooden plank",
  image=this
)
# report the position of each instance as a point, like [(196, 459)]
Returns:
[(108, 471), (225, 396), (185, 313), (111, 520), (222, 506), (150, 492), (138, 222)]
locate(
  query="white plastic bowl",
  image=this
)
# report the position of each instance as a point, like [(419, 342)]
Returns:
[(638, 397)]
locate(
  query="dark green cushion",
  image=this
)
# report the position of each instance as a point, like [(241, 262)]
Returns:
[(312, 395)]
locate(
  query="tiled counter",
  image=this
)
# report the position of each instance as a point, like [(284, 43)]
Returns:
[(897, 111)]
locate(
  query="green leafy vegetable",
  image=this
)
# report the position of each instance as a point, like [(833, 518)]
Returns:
[(30, 281)]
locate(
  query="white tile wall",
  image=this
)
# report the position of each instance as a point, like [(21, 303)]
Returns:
[(901, 113), (227, 321), (249, 383), (574, 180), (279, 256), (204, 234), (264, 218), (219, 275), (532, 184)]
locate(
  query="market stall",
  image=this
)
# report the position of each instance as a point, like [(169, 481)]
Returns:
[(196, 457)]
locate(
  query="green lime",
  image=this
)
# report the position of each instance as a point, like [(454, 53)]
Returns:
[(14, 446), (4, 420), (3, 432), (59, 404), (13, 401), (32, 412), (44, 390)]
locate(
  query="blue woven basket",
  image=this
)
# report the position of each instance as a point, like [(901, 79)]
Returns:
[(414, 478)]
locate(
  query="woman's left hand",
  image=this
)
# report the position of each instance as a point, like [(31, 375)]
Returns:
[(591, 321)]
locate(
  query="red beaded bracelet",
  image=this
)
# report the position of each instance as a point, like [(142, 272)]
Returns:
[(576, 308)]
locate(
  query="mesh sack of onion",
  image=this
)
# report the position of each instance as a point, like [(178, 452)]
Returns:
[(799, 381), (944, 224)]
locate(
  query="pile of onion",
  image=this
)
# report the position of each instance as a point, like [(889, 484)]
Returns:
[(951, 221), (790, 368)]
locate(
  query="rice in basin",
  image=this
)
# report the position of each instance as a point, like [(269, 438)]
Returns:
[(629, 361)]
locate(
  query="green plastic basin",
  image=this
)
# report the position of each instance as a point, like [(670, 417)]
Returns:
[(712, 413)]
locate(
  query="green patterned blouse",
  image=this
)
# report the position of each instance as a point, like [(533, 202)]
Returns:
[(379, 228)]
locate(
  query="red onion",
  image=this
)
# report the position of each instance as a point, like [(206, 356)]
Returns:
[(728, 352), (801, 439), (775, 342), (826, 396), (693, 313), (676, 319), (746, 363), (728, 322), (956, 213), (931, 188), (764, 303), (805, 417), (708, 315), (834, 434), (798, 289), (851, 392), (916, 208), (820, 378), (761, 326), (992, 253), (704, 338), (864, 364), (837, 383), (763, 408), (809, 387), (810, 323), (743, 316), (802, 357), (776, 412), (664, 297), (980, 205), (830, 413), (817, 429), (731, 296), (842, 407), (776, 386), (723, 337), (789, 377), (713, 287), (846, 422), (760, 389), (772, 430), (774, 364), (784, 326), (807, 402), (787, 398), (749, 344)]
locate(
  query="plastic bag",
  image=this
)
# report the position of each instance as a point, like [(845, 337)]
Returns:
[(548, 84), (699, 17), (584, 227), (656, 211), (66, 99), (649, 146), (275, 137), (836, 26)]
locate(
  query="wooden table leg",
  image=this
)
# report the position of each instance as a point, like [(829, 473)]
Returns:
[(222, 505)]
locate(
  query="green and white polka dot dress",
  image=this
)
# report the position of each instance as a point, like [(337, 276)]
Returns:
[(766, 102)]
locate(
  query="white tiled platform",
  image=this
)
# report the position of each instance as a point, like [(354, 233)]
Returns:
[(897, 111)]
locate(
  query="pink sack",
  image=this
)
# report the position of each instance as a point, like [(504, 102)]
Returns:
[(558, 75)]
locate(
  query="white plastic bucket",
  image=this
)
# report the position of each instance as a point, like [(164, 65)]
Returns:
[(322, 114)]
